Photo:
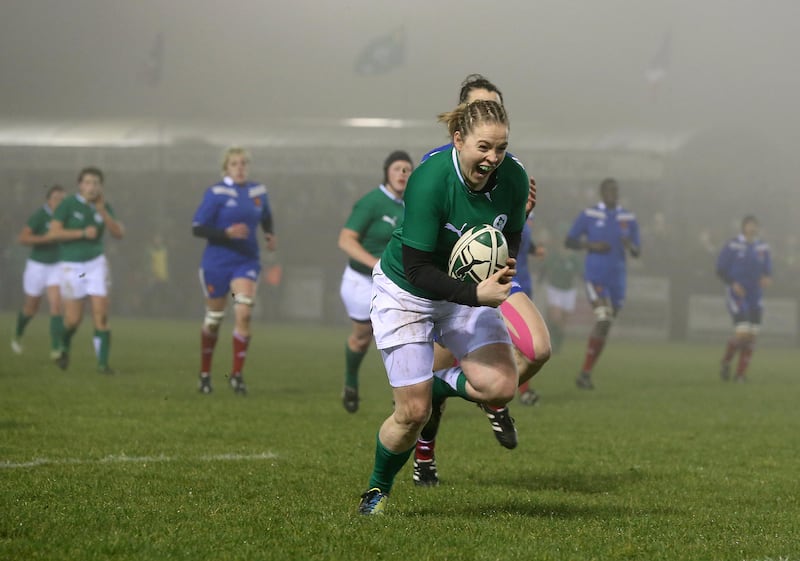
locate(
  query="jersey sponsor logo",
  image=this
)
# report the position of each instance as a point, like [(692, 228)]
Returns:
[(231, 203), (458, 231), (390, 219), (500, 221)]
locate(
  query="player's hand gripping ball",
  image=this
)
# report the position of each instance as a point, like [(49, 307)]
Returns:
[(478, 254)]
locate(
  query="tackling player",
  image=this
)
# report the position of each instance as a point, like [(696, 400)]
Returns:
[(745, 266), (228, 218), (607, 232), (42, 274)]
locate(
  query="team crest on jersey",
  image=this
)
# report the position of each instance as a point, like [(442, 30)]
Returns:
[(257, 202), (98, 218), (500, 221)]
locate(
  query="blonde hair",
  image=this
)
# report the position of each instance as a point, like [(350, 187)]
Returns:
[(231, 152), (467, 116)]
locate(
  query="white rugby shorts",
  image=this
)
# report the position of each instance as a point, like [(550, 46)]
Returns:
[(38, 276), (90, 278)]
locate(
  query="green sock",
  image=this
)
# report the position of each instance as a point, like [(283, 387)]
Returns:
[(442, 389), (102, 346), (56, 331), (66, 338), (352, 362), (387, 465), (22, 321), (556, 338)]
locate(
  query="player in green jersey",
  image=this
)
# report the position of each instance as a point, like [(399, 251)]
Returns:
[(414, 300), (363, 238), (79, 223), (560, 269), (525, 324), (41, 274)]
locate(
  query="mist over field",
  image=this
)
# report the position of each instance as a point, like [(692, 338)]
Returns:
[(690, 105)]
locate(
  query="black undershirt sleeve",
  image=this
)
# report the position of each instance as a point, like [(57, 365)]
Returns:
[(514, 240), (421, 272), (266, 225), (213, 234)]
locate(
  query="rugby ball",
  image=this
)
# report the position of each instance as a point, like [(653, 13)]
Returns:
[(479, 253)]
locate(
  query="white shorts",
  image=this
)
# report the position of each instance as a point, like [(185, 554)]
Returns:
[(560, 298), (38, 276), (356, 293), (405, 325), (90, 278)]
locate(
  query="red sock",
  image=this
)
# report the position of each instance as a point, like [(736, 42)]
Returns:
[(593, 349), (745, 353), (424, 449), (208, 340), (523, 387), (240, 343), (730, 349)]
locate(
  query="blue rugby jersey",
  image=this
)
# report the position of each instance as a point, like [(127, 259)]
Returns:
[(225, 204), (611, 225), (745, 263)]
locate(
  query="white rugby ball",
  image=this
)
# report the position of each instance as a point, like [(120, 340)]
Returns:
[(478, 254)]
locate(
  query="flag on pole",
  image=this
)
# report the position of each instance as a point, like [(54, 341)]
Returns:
[(153, 67), (382, 54), (656, 71)]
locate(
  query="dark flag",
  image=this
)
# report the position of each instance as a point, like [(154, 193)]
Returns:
[(382, 54), (153, 67)]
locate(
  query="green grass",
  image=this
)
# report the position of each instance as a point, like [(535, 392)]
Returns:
[(661, 461)]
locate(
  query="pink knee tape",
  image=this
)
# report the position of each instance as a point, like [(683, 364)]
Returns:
[(520, 334)]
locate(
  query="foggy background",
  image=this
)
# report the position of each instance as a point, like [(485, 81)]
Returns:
[(690, 105)]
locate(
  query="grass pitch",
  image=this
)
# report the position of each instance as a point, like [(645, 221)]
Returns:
[(661, 461)]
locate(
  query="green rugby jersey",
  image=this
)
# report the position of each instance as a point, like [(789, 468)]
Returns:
[(374, 216), (560, 268), (76, 213), (440, 207), (39, 223)]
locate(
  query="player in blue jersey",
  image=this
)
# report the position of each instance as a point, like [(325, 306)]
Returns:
[(608, 233), (523, 283), (228, 218), (525, 325), (745, 266)]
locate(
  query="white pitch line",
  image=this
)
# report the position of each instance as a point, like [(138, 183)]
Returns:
[(135, 459)]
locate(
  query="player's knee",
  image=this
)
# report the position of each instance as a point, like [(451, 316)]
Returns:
[(244, 300), (360, 342), (413, 416), (603, 313), (212, 320)]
